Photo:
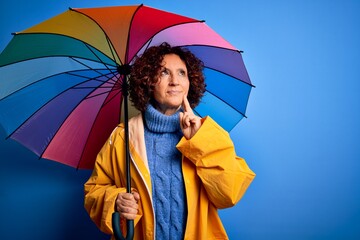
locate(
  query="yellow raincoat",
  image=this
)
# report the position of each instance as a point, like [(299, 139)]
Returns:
[(214, 178)]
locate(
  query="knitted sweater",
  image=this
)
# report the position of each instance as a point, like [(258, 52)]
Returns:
[(162, 133)]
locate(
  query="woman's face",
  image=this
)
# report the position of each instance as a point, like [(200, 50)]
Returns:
[(173, 83)]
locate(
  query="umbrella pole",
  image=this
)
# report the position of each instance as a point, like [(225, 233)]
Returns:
[(124, 70)]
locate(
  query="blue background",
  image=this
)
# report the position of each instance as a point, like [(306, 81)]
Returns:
[(301, 136)]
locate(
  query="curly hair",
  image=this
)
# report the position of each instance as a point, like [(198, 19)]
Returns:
[(145, 71)]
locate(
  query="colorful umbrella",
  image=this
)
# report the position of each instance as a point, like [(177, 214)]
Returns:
[(61, 81)]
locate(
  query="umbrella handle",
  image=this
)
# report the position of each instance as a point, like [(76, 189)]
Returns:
[(116, 227), (124, 70)]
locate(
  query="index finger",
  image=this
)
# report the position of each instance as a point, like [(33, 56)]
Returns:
[(186, 104), (127, 196)]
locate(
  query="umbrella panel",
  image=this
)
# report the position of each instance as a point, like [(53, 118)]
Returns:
[(31, 46), (61, 100), (69, 144), (225, 99)]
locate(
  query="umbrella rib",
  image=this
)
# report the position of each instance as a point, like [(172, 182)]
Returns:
[(95, 70), (152, 37), (228, 49), (111, 49), (100, 58), (88, 78), (43, 79), (107, 37), (148, 44), (106, 92), (213, 46), (64, 118), (106, 101), (63, 35), (113, 87), (50, 56), (91, 87), (231, 76), (243, 114), (128, 38), (92, 78)]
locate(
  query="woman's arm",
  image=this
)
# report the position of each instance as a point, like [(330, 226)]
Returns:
[(224, 175), (101, 191)]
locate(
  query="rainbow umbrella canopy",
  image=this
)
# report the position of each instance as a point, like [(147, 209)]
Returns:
[(60, 85)]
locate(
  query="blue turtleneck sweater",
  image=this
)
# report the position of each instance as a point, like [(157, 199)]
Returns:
[(162, 133)]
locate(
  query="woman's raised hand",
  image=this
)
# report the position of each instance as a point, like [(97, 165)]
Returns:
[(189, 122)]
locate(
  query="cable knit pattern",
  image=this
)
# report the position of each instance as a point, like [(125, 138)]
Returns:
[(162, 133)]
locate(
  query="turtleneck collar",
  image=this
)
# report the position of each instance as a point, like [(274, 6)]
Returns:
[(155, 121)]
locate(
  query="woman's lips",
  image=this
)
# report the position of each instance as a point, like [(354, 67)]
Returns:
[(173, 92)]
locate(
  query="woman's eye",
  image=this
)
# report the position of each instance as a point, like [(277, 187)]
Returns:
[(182, 73), (164, 72)]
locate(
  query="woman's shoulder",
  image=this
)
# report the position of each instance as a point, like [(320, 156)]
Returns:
[(116, 133), (134, 125)]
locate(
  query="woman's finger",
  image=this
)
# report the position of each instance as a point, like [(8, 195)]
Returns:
[(136, 196), (186, 105), (185, 119)]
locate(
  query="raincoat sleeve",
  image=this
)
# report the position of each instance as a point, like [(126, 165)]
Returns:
[(101, 189), (224, 175)]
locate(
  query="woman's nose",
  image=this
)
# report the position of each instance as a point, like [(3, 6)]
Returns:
[(173, 80)]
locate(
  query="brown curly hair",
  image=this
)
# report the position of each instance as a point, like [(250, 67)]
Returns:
[(145, 71)]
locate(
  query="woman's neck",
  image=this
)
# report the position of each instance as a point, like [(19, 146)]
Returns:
[(165, 109)]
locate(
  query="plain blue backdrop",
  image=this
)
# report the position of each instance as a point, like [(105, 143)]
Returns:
[(301, 136)]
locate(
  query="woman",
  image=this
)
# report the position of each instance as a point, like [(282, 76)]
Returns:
[(183, 168)]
